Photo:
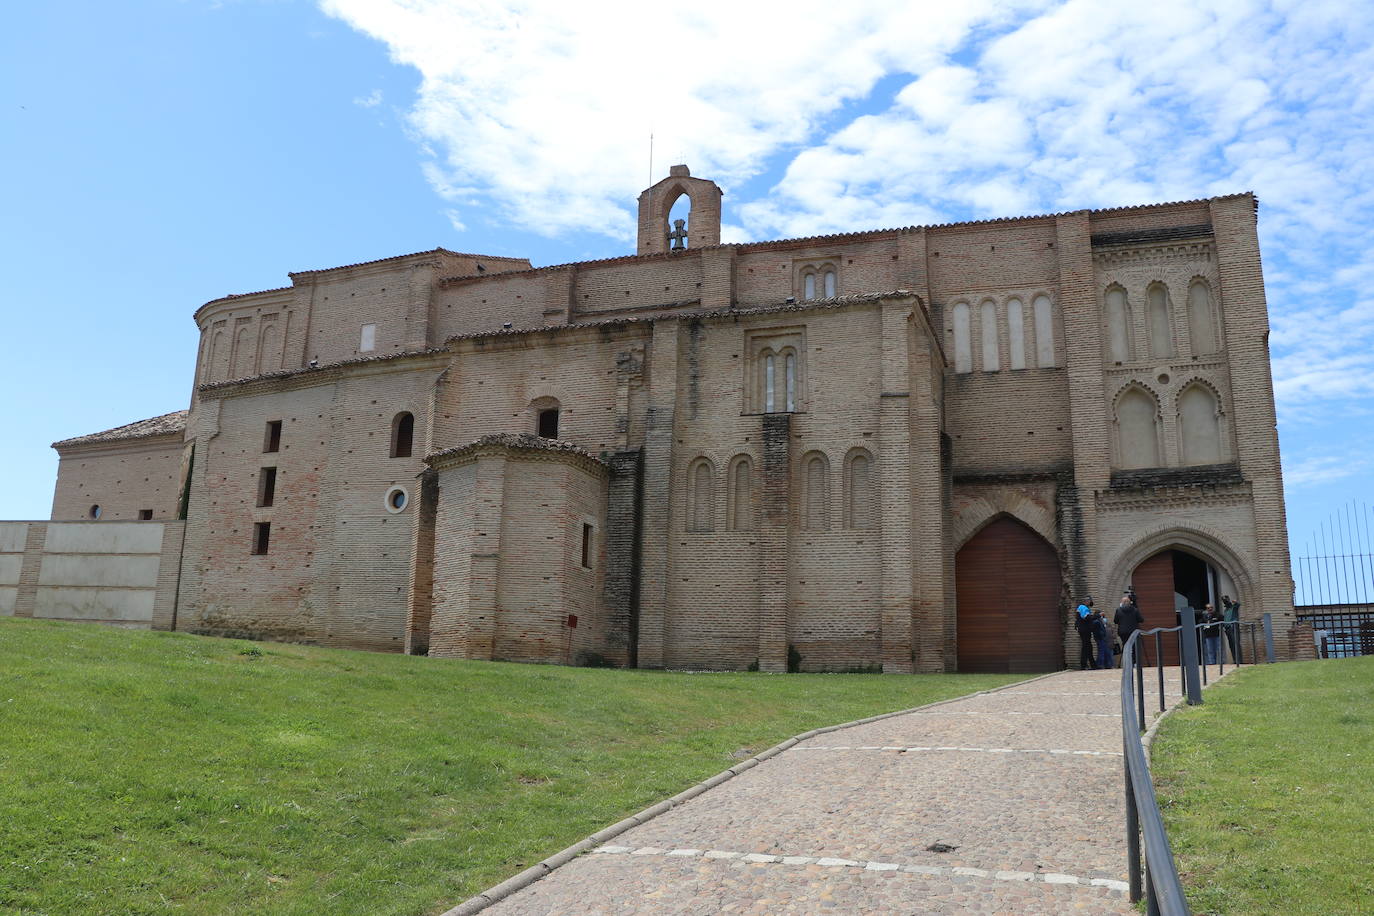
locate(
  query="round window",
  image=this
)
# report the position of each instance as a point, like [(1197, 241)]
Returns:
[(396, 499), (95, 512)]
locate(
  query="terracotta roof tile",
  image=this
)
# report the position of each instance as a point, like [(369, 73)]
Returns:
[(165, 425)]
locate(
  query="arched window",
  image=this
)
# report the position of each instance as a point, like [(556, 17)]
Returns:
[(1137, 429), (1016, 334), (243, 352), (858, 490), (988, 325), (269, 348), (740, 512), (963, 343), (1199, 426), (1161, 329), (547, 423), (770, 371), (701, 503), (1119, 325), (790, 371), (213, 352), (1044, 332), (809, 285), (816, 492), (830, 284), (1202, 319), (402, 435)]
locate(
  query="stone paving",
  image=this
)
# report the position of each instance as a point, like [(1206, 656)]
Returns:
[(1021, 788)]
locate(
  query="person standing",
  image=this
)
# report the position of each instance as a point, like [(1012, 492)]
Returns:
[(1230, 614), (1127, 619), (1085, 635), (1211, 634), (1102, 632)]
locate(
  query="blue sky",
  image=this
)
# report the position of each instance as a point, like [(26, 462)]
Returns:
[(161, 153)]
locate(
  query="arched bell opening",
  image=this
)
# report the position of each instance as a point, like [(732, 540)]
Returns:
[(1008, 587), (678, 222)]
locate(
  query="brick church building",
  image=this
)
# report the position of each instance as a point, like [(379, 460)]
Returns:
[(906, 449)]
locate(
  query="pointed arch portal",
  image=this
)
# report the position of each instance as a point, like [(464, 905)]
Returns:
[(1007, 584), (1171, 580)]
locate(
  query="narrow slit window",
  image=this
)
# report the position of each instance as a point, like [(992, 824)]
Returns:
[(272, 441), (809, 286), (267, 486), (368, 341), (262, 536), (830, 284), (586, 546)]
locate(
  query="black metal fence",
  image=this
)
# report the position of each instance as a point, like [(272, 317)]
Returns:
[(1336, 565), (1341, 631), (1154, 875)]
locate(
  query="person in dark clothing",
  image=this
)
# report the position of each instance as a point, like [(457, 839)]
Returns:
[(1211, 635), (1085, 635), (1230, 613), (1103, 634), (1128, 618)]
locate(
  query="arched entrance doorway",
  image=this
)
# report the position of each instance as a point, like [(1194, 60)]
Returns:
[(1007, 586), (1171, 580)]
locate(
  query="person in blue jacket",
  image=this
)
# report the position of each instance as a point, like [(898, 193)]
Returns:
[(1085, 635)]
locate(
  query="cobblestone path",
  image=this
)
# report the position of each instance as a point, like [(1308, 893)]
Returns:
[(1022, 788)]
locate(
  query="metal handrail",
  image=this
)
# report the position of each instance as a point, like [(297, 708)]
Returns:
[(1142, 807)]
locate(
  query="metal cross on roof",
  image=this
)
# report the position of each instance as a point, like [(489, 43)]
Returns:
[(679, 234)]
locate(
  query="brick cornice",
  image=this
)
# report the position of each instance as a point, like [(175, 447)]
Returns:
[(524, 447)]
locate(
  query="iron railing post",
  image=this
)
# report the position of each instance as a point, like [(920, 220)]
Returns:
[(1159, 666), (1139, 672), (1192, 686)]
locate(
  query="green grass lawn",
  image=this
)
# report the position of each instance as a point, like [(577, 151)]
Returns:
[(1268, 790), (158, 772)]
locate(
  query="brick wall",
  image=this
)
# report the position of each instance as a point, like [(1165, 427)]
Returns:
[(663, 369), (122, 477)]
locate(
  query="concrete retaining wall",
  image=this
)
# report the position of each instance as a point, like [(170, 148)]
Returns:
[(119, 573)]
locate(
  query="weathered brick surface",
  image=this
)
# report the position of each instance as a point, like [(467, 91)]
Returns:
[(122, 478), (656, 363)]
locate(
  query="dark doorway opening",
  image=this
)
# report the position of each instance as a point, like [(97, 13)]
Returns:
[(1165, 584)]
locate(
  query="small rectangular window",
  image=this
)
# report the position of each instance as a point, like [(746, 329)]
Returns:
[(272, 441), (267, 486), (145, 515), (262, 534), (368, 342), (586, 546)]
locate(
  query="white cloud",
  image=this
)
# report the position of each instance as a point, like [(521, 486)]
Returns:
[(540, 112), (371, 100)]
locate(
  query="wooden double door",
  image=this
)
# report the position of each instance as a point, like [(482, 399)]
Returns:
[(1007, 585)]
